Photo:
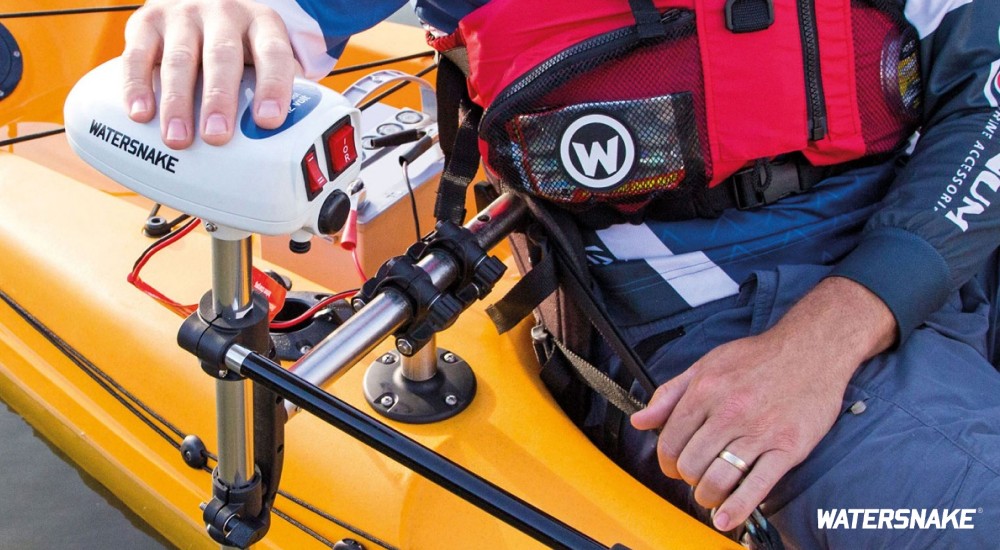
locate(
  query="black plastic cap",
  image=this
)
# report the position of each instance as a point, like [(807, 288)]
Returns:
[(299, 247), (334, 212)]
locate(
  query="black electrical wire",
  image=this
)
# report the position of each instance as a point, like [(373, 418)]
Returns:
[(171, 225), (413, 198), (382, 63), (73, 11), (30, 137), (157, 242)]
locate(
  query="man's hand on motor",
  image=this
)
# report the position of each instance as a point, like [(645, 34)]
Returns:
[(221, 36), (767, 399)]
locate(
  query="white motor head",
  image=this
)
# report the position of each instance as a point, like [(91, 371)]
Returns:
[(273, 182)]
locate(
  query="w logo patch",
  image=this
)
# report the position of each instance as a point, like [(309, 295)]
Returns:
[(597, 151)]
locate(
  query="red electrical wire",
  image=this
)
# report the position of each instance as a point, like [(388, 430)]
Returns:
[(357, 265), (281, 325), (136, 281), (186, 310)]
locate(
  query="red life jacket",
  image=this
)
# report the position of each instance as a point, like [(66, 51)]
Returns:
[(598, 102)]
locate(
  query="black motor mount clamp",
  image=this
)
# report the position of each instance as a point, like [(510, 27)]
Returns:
[(435, 309), (208, 336), (235, 516), (240, 516)]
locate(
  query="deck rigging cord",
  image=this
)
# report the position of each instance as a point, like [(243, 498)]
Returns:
[(31, 137), (345, 70), (70, 11), (381, 63), (396, 88), (161, 426), (142, 411)]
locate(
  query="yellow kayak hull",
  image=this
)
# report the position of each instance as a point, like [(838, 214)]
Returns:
[(68, 238)]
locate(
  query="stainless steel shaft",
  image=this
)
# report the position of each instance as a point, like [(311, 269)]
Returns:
[(390, 310)]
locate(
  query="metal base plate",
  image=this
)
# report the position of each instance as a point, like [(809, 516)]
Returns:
[(446, 394)]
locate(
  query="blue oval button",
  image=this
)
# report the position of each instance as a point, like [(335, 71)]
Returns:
[(305, 98)]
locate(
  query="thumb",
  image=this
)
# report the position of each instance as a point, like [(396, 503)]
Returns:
[(662, 404)]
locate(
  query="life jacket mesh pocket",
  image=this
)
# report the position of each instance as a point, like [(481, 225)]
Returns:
[(613, 120), (887, 75)]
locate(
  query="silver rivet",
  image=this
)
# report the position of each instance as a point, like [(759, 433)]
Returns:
[(449, 358), (388, 359), (858, 407), (387, 400), (211, 227), (223, 373), (357, 304), (17, 54), (451, 400), (305, 349)]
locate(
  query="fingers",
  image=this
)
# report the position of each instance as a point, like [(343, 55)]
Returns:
[(662, 404), (178, 74), (143, 44), (721, 477), (221, 36), (752, 490), (276, 68), (222, 59)]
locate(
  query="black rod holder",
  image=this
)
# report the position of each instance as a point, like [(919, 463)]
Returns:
[(436, 468)]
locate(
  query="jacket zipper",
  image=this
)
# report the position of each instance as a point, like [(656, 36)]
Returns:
[(510, 96), (815, 101)]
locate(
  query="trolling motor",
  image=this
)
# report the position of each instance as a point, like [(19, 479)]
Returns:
[(413, 297), (235, 198)]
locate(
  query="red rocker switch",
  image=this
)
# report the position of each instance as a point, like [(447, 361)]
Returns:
[(340, 146), (315, 180)]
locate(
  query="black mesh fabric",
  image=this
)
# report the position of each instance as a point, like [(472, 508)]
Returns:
[(661, 128), (653, 88)]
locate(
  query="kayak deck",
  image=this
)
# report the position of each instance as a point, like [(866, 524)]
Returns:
[(93, 364)]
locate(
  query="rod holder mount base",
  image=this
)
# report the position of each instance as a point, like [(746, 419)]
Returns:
[(443, 396)]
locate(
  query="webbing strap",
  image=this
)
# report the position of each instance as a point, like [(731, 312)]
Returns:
[(526, 295), (600, 382), (647, 19), (459, 140), (584, 297), (450, 86)]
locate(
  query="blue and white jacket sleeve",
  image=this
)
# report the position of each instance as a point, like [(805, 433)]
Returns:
[(319, 29), (941, 218)]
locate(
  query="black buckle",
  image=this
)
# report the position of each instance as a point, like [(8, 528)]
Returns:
[(749, 15), (765, 183)]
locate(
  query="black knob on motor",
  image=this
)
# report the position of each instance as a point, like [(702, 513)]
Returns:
[(334, 212)]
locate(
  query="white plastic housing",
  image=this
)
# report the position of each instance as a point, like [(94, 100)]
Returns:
[(255, 183)]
